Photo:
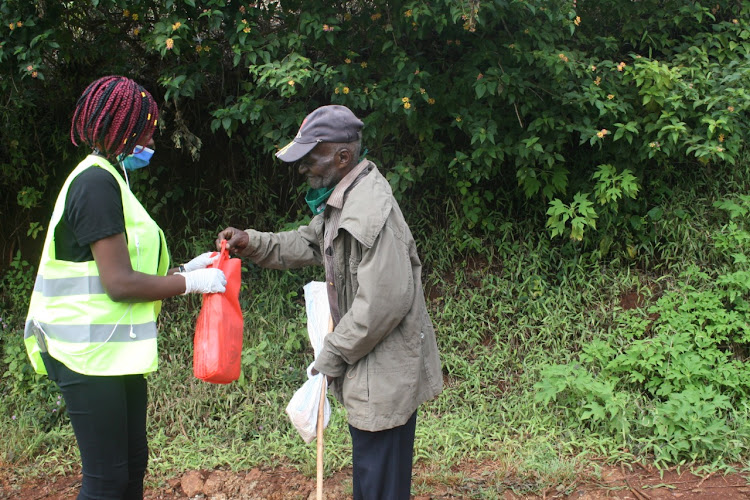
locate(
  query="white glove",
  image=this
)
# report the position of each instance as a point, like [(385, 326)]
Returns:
[(204, 281), (202, 261)]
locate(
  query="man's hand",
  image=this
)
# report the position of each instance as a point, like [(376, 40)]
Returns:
[(328, 379), (237, 240)]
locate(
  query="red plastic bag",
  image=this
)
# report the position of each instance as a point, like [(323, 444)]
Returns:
[(217, 347)]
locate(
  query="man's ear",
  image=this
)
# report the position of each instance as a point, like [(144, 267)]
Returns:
[(345, 158)]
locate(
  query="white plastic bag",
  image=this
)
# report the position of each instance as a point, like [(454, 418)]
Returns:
[(303, 407)]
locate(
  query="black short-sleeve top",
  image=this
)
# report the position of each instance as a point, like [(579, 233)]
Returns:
[(93, 211)]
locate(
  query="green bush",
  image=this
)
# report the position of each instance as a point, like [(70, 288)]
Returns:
[(494, 122), (586, 108), (668, 379)]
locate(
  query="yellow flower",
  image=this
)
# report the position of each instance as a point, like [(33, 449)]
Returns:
[(348, 61), (363, 64), (563, 57), (347, 17), (512, 46), (407, 105), (735, 21), (376, 16), (12, 26), (421, 90), (247, 29), (458, 118), (577, 22), (610, 96), (598, 80), (176, 25), (346, 90), (602, 133), (19, 24), (721, 137), (135, 17), (719, 149), (126, 13), (621, 66), (730, 109), (404, 99), (430, 101), (29, 68), (336, 90), (170, 44), (593, 68), (34, 74), (407, 13), (198, 48), (206, 49)]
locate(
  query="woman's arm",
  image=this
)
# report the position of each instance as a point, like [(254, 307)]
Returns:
[(122, 283)]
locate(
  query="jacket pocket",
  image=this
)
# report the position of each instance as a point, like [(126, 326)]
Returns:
[(355, 387)]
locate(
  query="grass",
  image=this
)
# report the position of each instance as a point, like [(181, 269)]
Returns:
[(501, 315)]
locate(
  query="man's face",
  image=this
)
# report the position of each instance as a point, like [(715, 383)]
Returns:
[(322, 166)]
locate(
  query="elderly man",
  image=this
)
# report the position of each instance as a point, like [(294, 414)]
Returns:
[(382, 355)]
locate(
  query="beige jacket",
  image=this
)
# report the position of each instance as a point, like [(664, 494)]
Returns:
[(383, 353)]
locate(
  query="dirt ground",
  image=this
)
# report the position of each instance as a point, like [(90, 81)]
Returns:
[(472, 480)]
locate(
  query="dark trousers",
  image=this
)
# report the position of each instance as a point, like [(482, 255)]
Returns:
[(381, 462), (109, 420)]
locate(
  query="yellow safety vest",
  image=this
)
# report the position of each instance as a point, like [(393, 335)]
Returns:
[(70, 314)]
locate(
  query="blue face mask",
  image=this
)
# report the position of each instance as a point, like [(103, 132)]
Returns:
[(137, 160)]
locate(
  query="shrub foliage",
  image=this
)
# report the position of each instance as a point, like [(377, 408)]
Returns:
[(582, 109), (577, 117)]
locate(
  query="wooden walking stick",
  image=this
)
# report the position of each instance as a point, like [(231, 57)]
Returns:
[(321, 418)]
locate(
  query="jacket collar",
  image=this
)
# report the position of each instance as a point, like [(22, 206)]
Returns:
[(367, 207)]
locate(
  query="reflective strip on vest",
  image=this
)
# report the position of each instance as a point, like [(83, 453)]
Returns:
[(59, 287), (94, 334), (71, 316)]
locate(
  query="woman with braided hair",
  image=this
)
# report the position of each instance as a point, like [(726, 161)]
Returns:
[(103, 273)]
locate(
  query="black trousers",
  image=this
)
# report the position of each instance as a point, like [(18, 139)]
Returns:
[(109, 420), (382, 461)]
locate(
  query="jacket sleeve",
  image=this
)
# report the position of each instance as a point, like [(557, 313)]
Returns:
[(384, 296), (285, 250)]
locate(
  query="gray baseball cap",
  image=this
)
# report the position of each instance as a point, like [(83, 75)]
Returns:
[(326, 124)]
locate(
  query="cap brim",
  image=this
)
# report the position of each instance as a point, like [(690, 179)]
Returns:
[(294, 151)]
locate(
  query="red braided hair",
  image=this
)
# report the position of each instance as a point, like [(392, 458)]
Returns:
[(113, 115)]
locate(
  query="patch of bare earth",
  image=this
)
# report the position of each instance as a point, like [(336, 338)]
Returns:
[(469, 480)]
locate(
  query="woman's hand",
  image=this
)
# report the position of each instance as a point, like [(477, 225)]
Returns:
[(204, 281), (202, 261)]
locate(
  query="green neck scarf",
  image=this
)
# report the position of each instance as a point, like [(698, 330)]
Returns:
[(316, 199)]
